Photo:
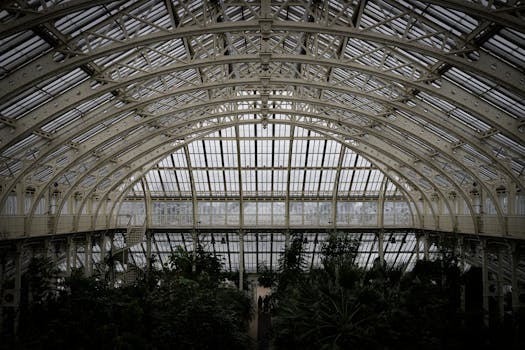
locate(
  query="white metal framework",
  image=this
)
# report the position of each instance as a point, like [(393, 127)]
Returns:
[(273, 113)]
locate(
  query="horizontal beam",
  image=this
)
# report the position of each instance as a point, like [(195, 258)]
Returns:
[(499, 120), (46, 67), (142, 153), (32, 19), (502, 15), (398, 123)]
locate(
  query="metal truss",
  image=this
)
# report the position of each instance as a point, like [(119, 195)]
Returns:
[(418, 159), (504, 14), (28, 18), (376, 144), (435, 145), (46, 66), (446, 91), (391, 104), (139, 168), (428, 101)]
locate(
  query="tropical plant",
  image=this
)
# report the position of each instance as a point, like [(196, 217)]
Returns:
[(292, 265), (266, 277), (340, 305), (338, 254), (182, 306)]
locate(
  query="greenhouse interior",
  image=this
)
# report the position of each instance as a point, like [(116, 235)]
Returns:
[(262, 174)]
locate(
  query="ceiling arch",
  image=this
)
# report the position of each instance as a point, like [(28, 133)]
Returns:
[(497, 119), (163, 131), (137, 167), (47, 66), (90, 91), (138, 170), (146, 148), (436, 143), (356, 132)]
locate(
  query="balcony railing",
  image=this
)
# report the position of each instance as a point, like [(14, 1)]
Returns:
[(12, 227)]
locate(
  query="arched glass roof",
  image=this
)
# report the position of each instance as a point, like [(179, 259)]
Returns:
[(264, 161), (105, 101)]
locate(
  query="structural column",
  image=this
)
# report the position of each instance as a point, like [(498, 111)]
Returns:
[(515, 259), (148, 250), (74, 255), (485, 281), (500, 286), (418, 238), (68, 255), (194, 253), (18, 284), (112, 258), (511, 199), (380, 249), (102, 244), (20, 194), (88, 256), (241, 259), (2, 286), (426, 246), (461, 245)]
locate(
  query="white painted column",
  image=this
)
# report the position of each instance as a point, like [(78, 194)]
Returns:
[(18, 284), (68, 256), (485, 281), (241, 259), (515, 259), (426, 247), (148, 250), (500, 286), (380, 249), (88, 256), (418, 239)]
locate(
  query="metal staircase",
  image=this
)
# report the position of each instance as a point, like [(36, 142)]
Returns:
[(134, 235)]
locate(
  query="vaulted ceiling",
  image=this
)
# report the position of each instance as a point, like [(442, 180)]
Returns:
[(263, 98)]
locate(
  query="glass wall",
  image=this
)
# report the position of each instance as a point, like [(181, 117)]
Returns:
[(168, 213), (262, 249), (269, 213), (357, 213), (396, 213)]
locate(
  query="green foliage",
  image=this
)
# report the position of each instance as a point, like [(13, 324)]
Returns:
[(314, 311), (292, 258), (182, 306), (267, 278), (200, 265), (186, 314), (319, 315), (292, 265), (39, 279), (337, 256), (339, 250), (341, 306)]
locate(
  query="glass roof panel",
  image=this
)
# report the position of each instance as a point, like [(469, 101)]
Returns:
[(89, 97), (265, 170)]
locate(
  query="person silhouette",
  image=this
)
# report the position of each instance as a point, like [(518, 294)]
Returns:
[(260, 303)]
